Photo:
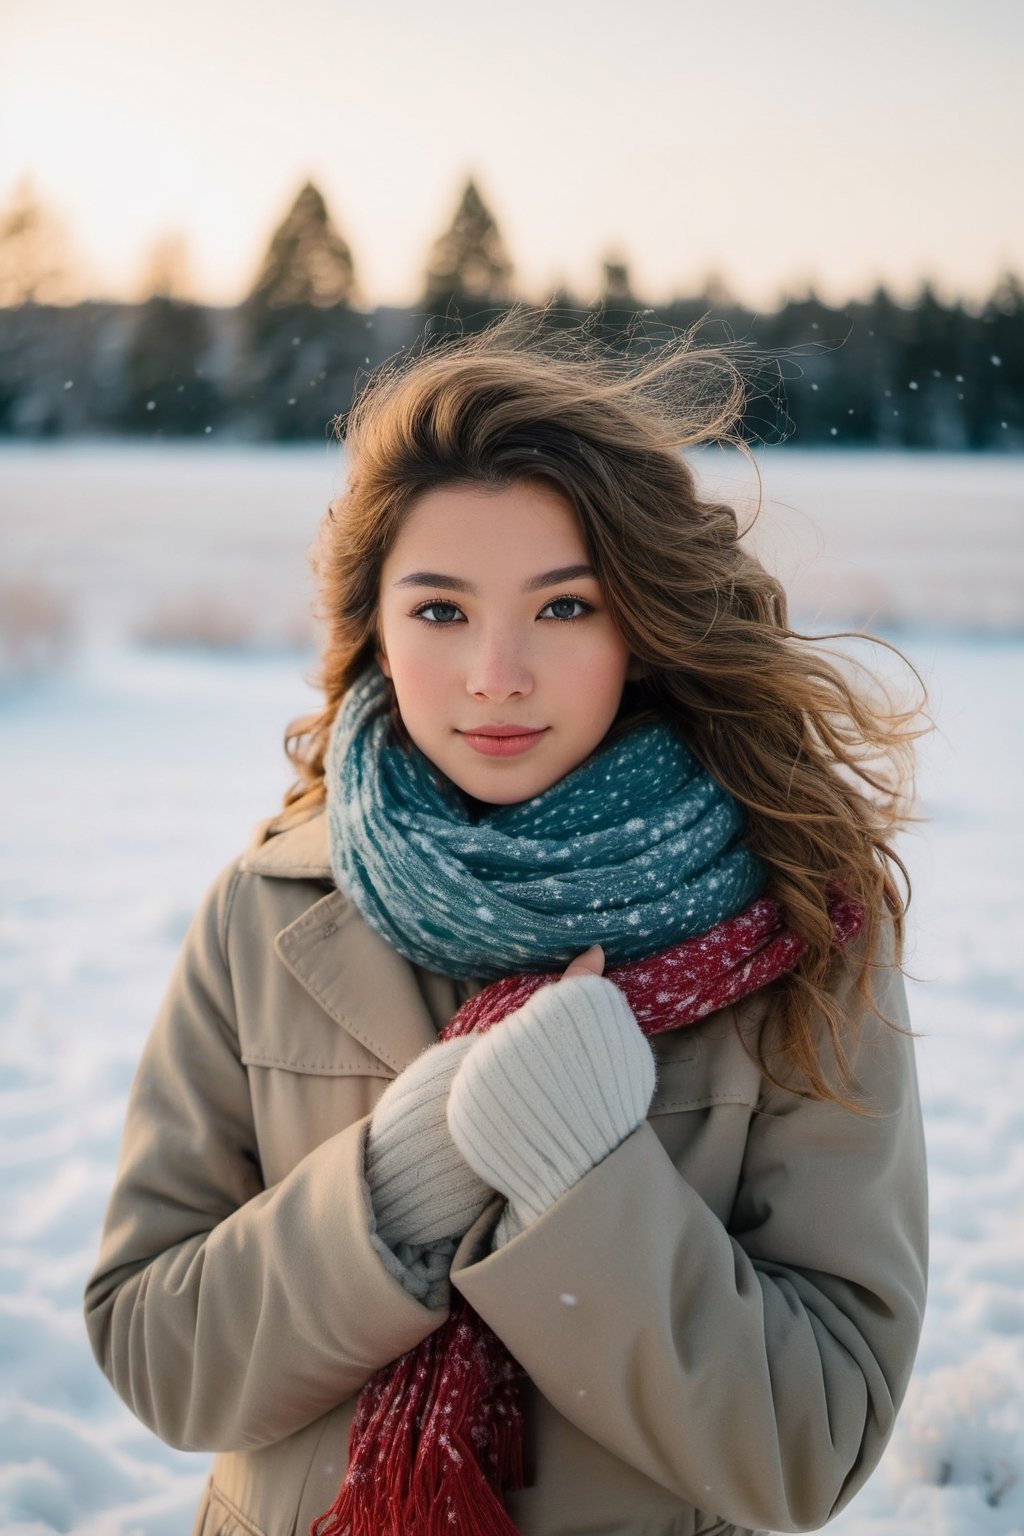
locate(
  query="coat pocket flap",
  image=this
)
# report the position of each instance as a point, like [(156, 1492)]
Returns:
[(701, 1066), (336, 1059)]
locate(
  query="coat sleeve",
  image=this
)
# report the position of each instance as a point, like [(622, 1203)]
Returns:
[(227, 1315), (755, 1367)]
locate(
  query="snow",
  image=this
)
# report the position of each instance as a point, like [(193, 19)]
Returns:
[(131, 774)]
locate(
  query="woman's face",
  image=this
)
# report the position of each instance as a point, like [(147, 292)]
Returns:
[(507, 667)]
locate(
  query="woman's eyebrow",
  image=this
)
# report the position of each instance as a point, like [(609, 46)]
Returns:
[(535, 584), (560, 574)]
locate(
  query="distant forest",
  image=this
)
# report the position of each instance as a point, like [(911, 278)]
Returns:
[(283, 364)]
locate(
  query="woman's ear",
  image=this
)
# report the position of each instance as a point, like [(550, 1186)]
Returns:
[(381, 657)]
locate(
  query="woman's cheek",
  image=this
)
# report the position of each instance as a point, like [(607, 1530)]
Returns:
[(596, 666)]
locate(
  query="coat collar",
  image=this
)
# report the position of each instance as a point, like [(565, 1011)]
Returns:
[(392, 1008), (300, 852)]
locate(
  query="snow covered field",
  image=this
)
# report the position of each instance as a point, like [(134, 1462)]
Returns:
[(132, 771)]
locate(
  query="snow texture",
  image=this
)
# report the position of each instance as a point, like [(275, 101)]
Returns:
[(131, 774)]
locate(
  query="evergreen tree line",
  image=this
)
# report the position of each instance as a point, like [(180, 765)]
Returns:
[(284, 363)]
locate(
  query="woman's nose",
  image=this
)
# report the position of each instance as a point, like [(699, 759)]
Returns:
[(499, 669)]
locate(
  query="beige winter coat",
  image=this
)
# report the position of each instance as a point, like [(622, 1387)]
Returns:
[(718, 1322)]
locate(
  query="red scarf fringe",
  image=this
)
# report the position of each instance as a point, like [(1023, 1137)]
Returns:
[(437, 1435)]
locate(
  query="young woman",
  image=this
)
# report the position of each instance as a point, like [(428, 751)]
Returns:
[(637, 1247)]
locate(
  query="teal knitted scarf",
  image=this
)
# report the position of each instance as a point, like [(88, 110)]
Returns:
[(635, 849)]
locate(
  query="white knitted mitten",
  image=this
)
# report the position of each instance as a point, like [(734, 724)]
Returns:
[(550, 1091), (421, 1187)]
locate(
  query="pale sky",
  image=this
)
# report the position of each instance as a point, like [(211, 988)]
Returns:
[(776, 143)]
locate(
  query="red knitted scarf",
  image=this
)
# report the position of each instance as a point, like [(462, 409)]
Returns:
[(437, 1434)]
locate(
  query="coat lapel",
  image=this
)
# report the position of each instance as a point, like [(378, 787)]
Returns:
[(355, 976), (359, 980)]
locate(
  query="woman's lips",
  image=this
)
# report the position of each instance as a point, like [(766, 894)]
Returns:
[(502, 741)]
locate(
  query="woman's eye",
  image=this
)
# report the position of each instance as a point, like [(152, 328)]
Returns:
[(438, 613), (567, 608)]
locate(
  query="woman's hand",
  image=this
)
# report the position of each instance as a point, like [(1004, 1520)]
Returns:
[(551, 1091), (421, 1188), (590, 963)]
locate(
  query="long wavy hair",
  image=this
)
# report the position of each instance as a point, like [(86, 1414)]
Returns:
[(806, 740)]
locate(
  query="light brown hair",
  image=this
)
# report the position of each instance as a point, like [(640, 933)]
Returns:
[(818, 756)]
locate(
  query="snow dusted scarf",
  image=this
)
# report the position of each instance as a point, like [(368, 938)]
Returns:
[(635, 849), (437, 1434)]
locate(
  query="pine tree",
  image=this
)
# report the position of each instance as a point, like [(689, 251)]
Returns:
[(307, 261), (167, 273), (300, 340), (33, 253), (617, 290), (168, 390), (469, 262), (1002, 362)]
